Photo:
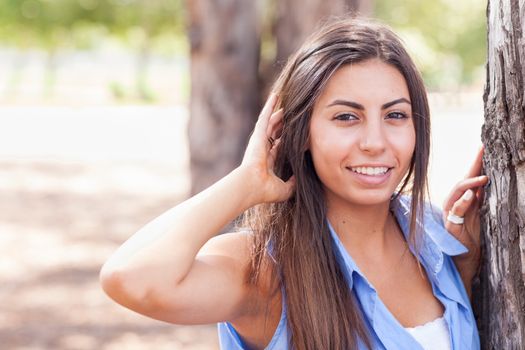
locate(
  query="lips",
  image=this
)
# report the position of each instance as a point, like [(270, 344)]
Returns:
[(367, 170), (376, 178)]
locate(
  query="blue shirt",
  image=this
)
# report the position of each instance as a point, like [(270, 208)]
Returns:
[(385, 331)]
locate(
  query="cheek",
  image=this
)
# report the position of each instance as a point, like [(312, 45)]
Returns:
[(404, 145), (320, 155), (329, 156), (329, 148), (411, 142)]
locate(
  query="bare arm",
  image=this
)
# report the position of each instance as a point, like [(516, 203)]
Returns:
[(468, 268), (464, 201), (155, 271), (160, 255)]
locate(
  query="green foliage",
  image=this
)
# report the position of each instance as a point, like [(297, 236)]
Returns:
[(118, 91), (52, 23), (144, 25), (446, 37)]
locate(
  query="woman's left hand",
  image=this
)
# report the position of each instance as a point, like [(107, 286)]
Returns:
[(464, 201)]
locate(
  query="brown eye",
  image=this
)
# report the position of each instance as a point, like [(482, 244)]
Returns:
[(397, 115), (345, 117)]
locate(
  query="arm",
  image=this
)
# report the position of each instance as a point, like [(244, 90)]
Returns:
[(158, 271), (468, 266), (464, 201), (149, 270)]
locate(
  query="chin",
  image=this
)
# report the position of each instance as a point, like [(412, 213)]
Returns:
[(373, 200), (367, 197)]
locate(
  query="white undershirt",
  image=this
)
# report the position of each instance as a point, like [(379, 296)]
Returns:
[(432, 335)]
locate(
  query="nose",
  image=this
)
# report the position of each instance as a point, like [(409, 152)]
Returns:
[(372, 138)]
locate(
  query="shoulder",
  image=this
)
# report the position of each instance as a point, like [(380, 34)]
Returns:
[(236, 247), (263, 310)]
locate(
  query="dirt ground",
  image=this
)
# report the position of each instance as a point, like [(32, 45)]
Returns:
[(59, 223), (63, 211)]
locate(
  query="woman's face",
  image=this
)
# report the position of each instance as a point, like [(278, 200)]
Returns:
[(362, 135)]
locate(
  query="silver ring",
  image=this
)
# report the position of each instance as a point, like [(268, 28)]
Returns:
[(458, 220)]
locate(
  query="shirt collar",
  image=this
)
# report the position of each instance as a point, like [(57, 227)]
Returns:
[(436, 240), (343, 257)]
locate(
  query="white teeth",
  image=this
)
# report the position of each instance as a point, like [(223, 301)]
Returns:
[(370, 170)]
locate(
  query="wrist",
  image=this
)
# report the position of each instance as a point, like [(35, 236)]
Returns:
[(468, 264), (247, 186)]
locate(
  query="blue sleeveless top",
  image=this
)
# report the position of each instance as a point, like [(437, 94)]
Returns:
[(385, 331)]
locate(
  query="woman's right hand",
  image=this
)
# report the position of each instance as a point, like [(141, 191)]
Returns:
[(180, 245), (259, 157)]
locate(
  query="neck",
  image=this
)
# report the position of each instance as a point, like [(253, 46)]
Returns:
[(362, 228)]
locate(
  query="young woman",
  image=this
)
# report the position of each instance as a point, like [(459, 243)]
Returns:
[(338, 249)]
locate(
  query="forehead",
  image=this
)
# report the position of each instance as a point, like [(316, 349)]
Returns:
[(370, 82)]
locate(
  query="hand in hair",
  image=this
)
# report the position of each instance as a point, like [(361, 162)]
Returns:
[(464, 201), (260, 153)]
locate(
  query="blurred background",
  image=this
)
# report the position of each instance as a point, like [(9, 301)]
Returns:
[(113, 111)]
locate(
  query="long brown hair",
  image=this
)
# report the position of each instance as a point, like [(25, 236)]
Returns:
[(322, 312)]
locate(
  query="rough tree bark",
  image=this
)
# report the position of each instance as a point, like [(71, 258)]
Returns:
[(224, 86), (500, 298)]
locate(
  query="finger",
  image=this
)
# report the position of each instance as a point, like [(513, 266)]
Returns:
[(270, 161), (480, 195), (461, 206), (475, 168), (461, 187), (275, 124), (273, 153), (264, 117), (276, 144), (273, 127), (268, 107)]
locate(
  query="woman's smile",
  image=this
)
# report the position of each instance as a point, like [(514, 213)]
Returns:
[(371, 175)]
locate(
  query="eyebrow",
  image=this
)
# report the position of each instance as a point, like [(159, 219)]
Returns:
[(361, 107)]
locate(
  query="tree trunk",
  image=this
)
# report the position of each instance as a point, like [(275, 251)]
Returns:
[(500, 298), (224, 86)]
